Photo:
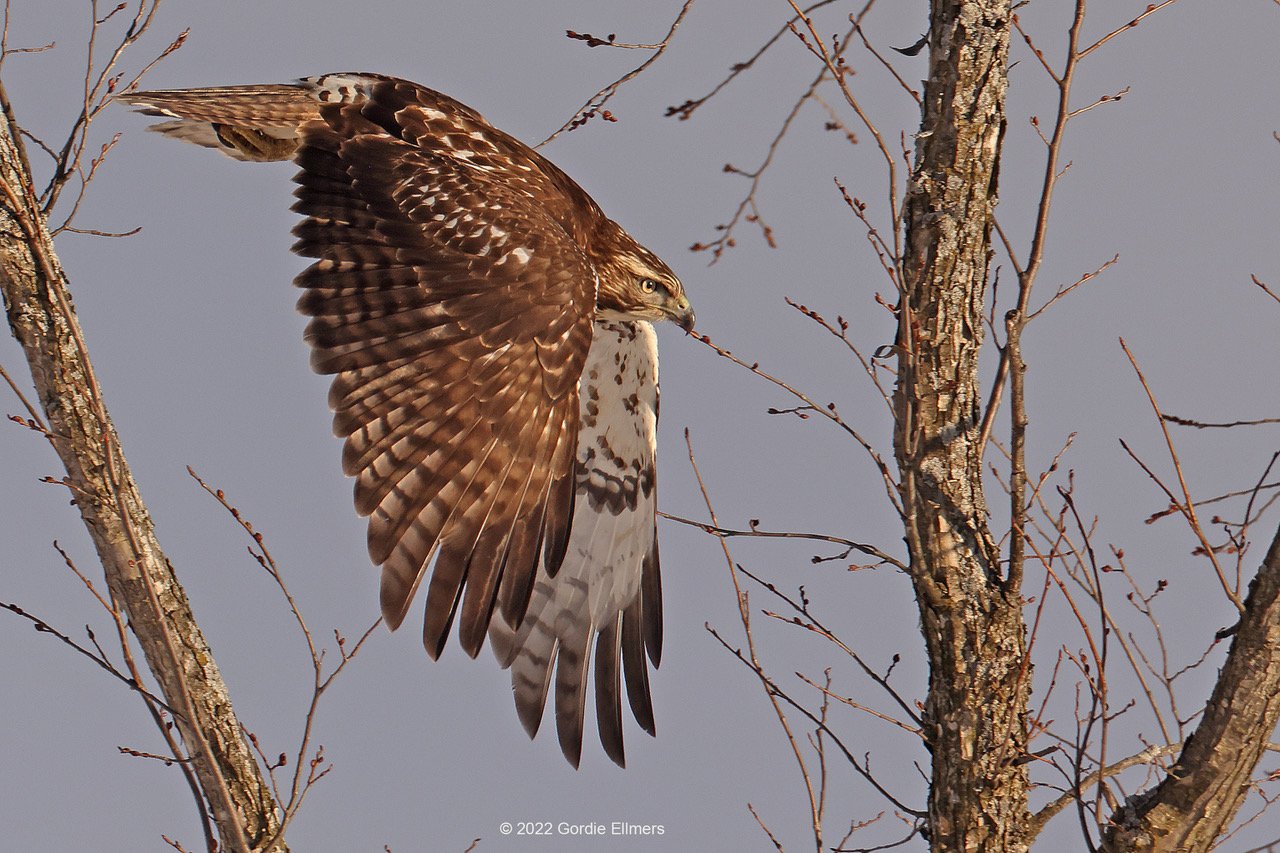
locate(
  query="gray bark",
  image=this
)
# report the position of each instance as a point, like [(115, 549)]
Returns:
[(139, 577), (975, 713), (1193, 806)]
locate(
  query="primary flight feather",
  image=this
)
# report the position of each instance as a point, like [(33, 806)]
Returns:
[(495, 375)]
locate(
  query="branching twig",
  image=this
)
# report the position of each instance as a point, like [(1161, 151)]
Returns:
[(850, 545), (1187, 506), (1180, 421), (751, 659), (101, 81), (811, 623), (828, 411), (748, 207), (94, 655), (840, 331), (685, 111), (314, 764), (595, 104)]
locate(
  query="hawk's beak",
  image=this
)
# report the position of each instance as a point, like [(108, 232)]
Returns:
[(682, 314)]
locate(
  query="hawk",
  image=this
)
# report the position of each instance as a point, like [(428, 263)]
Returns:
[(495, 372)]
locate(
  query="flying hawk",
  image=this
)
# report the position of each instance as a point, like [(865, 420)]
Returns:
[(495, 375)]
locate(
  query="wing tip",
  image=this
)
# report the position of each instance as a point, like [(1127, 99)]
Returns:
[(394, 606), (530, 716), (571, 746)]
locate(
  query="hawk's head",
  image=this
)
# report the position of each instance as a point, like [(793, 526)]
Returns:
[(636, 285)]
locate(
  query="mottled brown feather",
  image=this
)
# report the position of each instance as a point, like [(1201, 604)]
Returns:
[(396, 215)]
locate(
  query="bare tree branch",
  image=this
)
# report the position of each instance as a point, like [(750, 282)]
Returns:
[(138, 574), (1195, 803)]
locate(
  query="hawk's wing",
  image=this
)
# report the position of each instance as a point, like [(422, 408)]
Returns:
[(455, 310), (607, 590)]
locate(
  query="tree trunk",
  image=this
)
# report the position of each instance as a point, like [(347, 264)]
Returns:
[(139, 577), (975, 714)]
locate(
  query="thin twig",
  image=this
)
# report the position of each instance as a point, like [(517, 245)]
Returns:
[(888, 66), (1262, 284), (810, 406), (748, 208), (32, 412), (42, 626), (315, 765), (1063, 291), (811, 623), (595, 104), (686, 110), (744, 616), (1180, 421), (1150, 10), (1188, 508), (869, 550)]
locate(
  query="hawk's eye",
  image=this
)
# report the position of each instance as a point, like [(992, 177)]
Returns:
[(648, 285)]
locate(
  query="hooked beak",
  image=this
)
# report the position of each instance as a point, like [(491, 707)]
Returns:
[(682, 314)]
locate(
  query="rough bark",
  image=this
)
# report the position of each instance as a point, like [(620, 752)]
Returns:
[(1193, 806), (975, 714), (139, 577)]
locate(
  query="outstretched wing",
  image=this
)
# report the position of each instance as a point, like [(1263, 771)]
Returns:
[(456, 312), (453, 300), (607, 590)]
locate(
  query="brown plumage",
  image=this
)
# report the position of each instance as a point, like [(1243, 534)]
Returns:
[(468, 297)]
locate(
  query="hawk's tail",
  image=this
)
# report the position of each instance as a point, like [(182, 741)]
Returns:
[(257, 123)]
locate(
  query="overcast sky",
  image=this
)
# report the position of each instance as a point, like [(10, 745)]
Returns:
[(199, 351)]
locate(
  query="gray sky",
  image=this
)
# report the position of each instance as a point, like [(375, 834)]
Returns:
[(192, 328)]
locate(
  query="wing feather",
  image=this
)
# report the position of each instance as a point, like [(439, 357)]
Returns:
[(609, 691), (651, 594), (633, 664), (455, 417), (508, 509)]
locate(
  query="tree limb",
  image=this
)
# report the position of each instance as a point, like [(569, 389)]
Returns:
[(138, 574), (1194, 805)]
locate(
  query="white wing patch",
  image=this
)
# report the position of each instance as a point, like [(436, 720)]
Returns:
[(344, 88), (612, 532)]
